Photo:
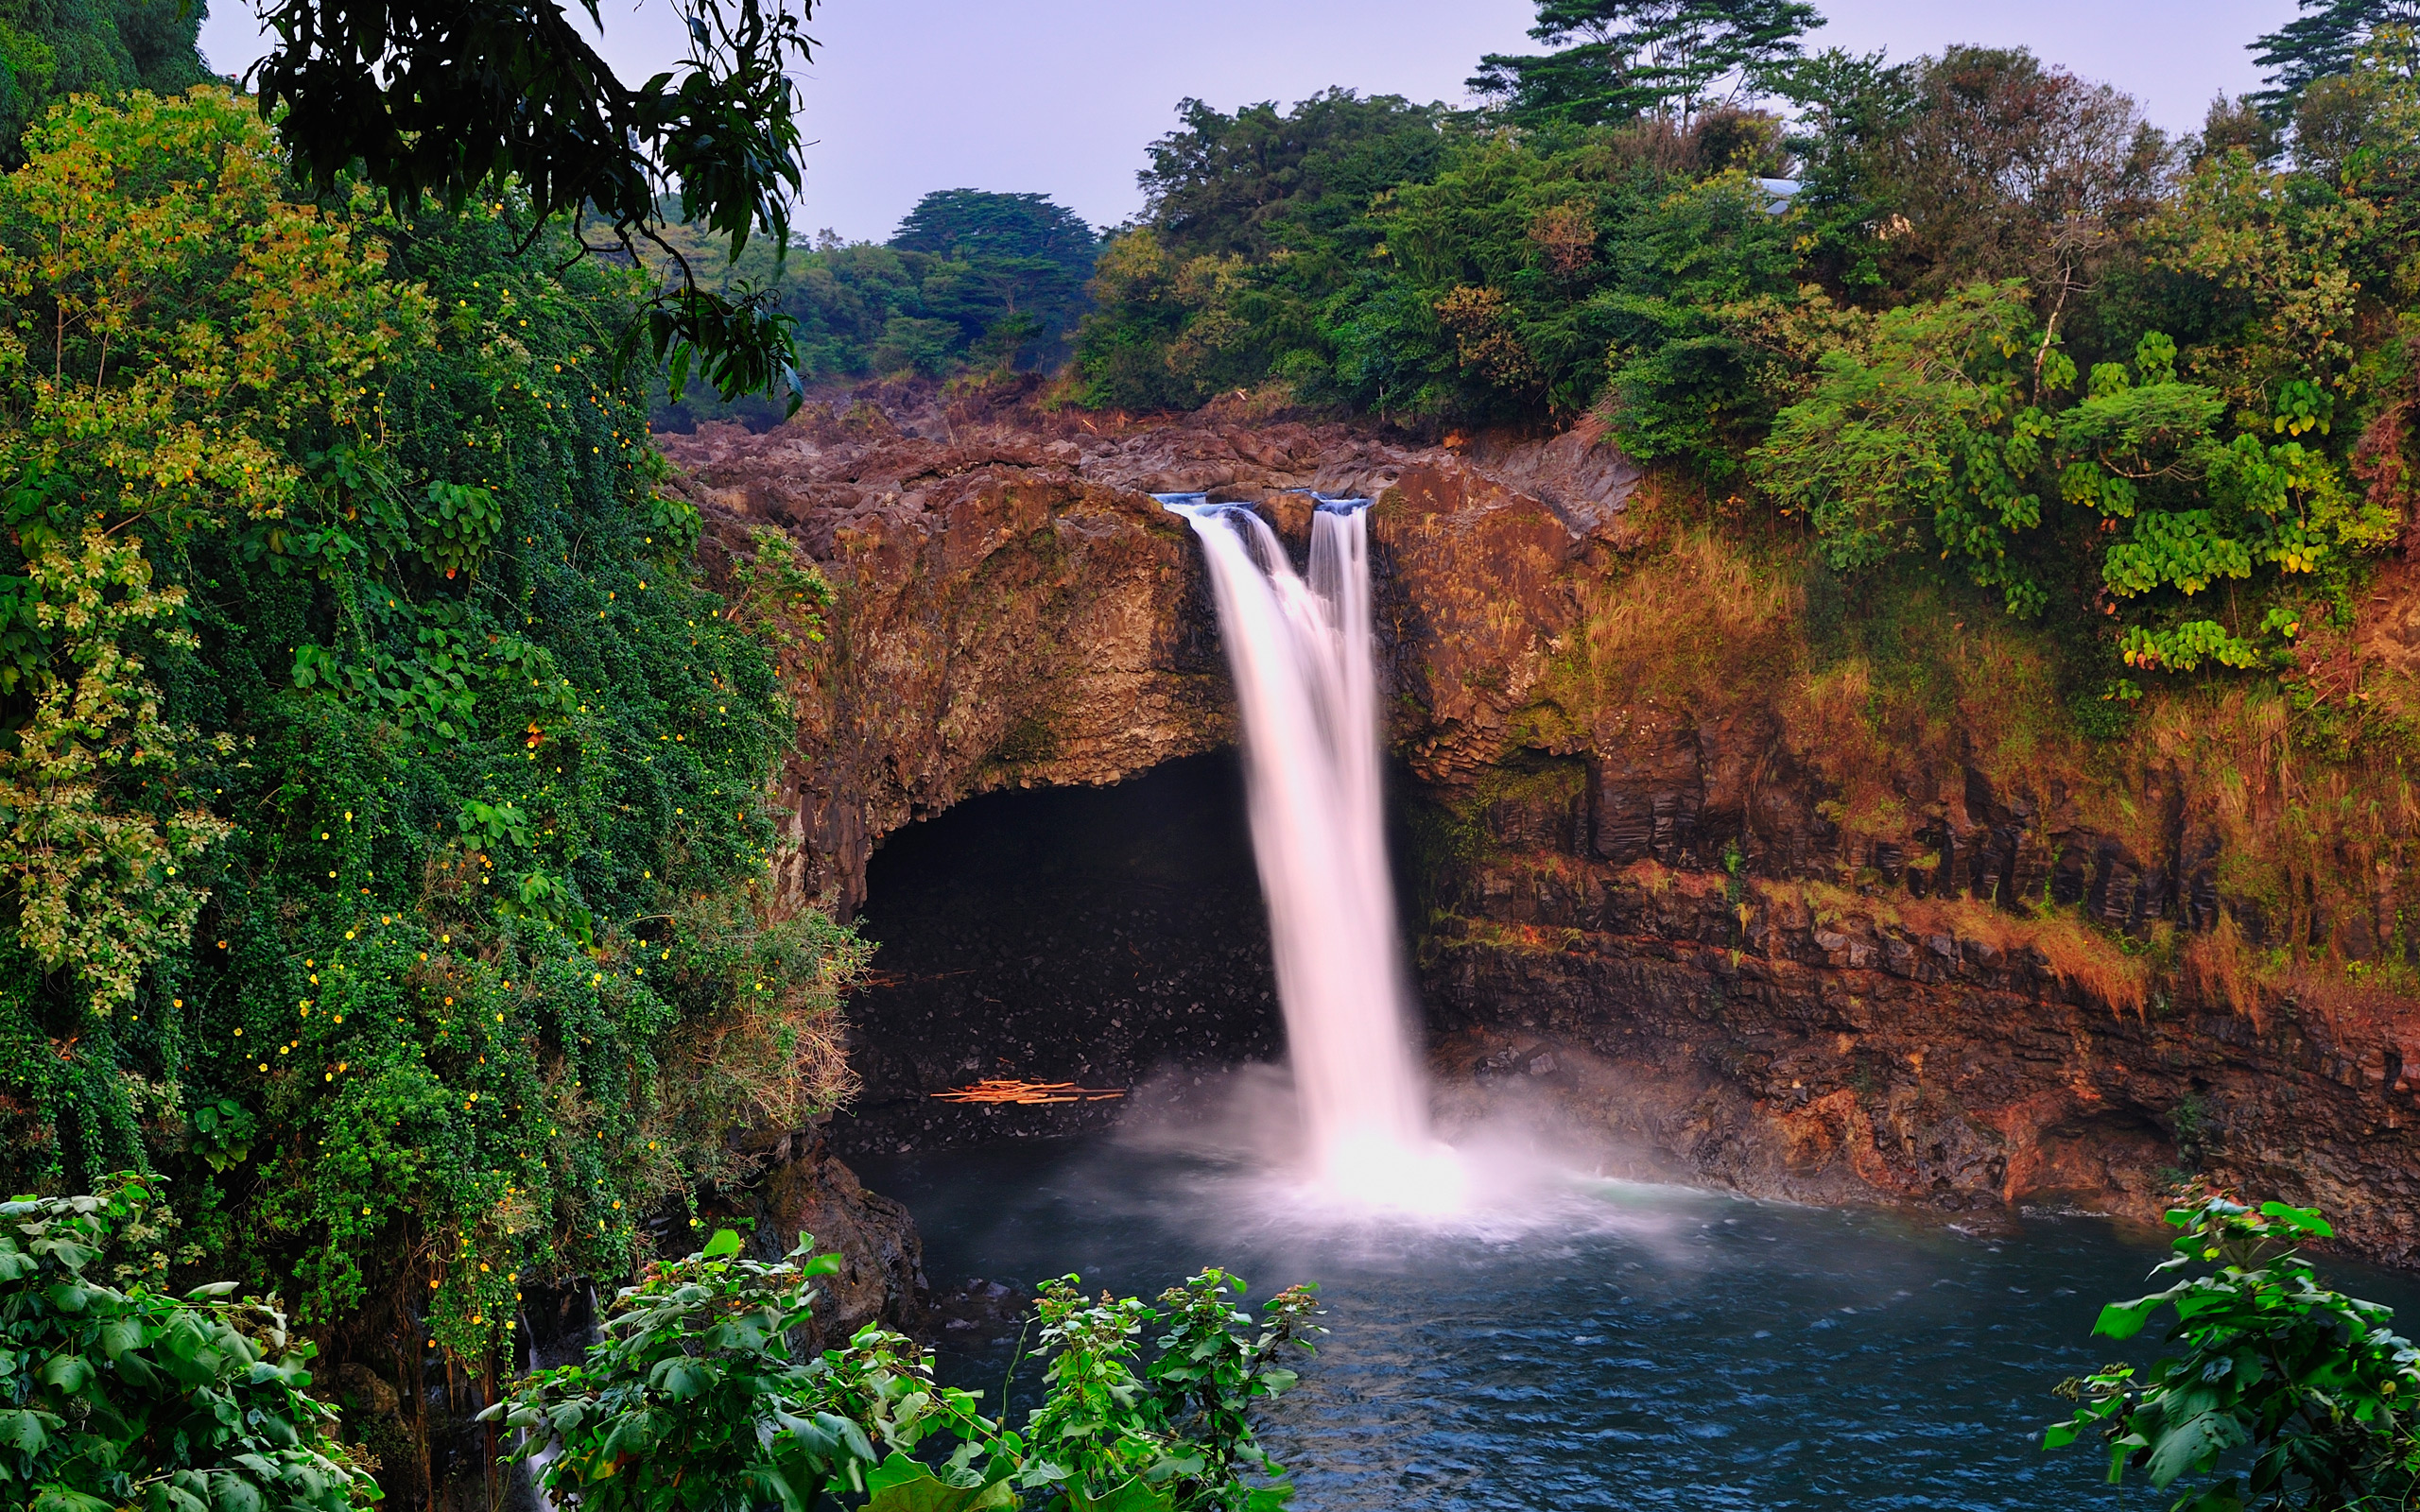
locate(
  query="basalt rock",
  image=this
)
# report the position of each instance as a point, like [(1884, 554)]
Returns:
[(1015, 610), (881, 1279), (1760, 957), (1734, 1036), (1001, 621)]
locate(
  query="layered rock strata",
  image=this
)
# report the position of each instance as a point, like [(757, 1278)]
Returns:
[(1644, 855)]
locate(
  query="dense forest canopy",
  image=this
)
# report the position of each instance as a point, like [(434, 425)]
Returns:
[(973, 282), (1965, 312), (383, 798), (50, 49)]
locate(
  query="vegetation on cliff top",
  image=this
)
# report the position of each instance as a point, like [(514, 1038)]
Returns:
[(1992, 321), (1987, 427)]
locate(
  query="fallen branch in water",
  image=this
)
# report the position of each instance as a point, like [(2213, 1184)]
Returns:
[(1028, 1092)]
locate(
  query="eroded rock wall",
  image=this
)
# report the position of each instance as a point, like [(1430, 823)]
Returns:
[(1000, 620), (1753, 1037), (1758, 933)]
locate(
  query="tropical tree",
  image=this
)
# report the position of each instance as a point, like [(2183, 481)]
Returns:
[(459, 100), (50, 49), (2313, 1385), (2324, 42), (1619, 59)]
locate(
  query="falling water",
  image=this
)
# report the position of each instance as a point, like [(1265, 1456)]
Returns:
[(1302, 656)]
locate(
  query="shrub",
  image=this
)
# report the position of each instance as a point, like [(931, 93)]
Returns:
[(124, 1396), (693, 1401), (2312, 1381)]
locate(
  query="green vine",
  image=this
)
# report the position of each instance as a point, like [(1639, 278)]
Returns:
[(446, 956)]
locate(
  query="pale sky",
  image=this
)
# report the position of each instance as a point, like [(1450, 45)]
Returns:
[(1060, 96)]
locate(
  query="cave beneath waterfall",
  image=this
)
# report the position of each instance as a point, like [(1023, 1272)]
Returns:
[(1110, 938)]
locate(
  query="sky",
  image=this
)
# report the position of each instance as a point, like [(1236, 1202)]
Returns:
[(1060, 96)]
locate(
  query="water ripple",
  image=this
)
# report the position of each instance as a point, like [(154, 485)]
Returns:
[(1635, 1348)]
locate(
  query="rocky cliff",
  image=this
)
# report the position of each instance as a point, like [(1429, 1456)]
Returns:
[(1804, 889)]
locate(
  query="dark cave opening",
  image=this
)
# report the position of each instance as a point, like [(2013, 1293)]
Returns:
[(1097, 936)]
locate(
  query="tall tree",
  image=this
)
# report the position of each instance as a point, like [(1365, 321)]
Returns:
[(1987, 163), (50, 49), (1014, 267), (2322, 41), (970, 224), (453, 99), (1223, 185), (1619, 60)]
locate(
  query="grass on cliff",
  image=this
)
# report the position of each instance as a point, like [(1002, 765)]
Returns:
[(1889, 690)]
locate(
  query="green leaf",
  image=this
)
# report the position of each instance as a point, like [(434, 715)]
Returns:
[(24, 1430), (724, 1245), (2123, 1321), (901, 1485), (681, 1378), (120, 1335), (70, 1373), (2227, 1498), (2193, 1444), (1134, 1496), (2306, 1220)]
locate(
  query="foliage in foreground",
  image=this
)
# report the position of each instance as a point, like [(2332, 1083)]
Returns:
[(381, 807), (2313, 1383), (694, 1399), (502, 103), (117, 1394)]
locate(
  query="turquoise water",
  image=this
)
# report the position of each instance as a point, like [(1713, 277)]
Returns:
[(1591, 1345)]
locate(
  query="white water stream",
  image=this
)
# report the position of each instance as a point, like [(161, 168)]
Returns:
[(1306, 677)]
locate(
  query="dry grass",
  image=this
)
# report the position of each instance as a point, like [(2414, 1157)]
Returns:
[(1686, 622), (2219, 967), (1890, 702), (2076, 953)]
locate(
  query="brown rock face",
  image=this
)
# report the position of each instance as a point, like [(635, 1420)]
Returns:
[(881, 1279), (1736, 1036), (1016, 610), (1766, 926), (1000, 620)]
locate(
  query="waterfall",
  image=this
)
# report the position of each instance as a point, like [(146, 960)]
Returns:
[(1303, 658)]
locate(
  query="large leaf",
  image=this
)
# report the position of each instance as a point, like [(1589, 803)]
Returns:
[(901, 1485), (120, 1335), (24, 1430), (681, 1378), (2123, 1321), (2192, 1444), (233, 1493), (1134, 1496)]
